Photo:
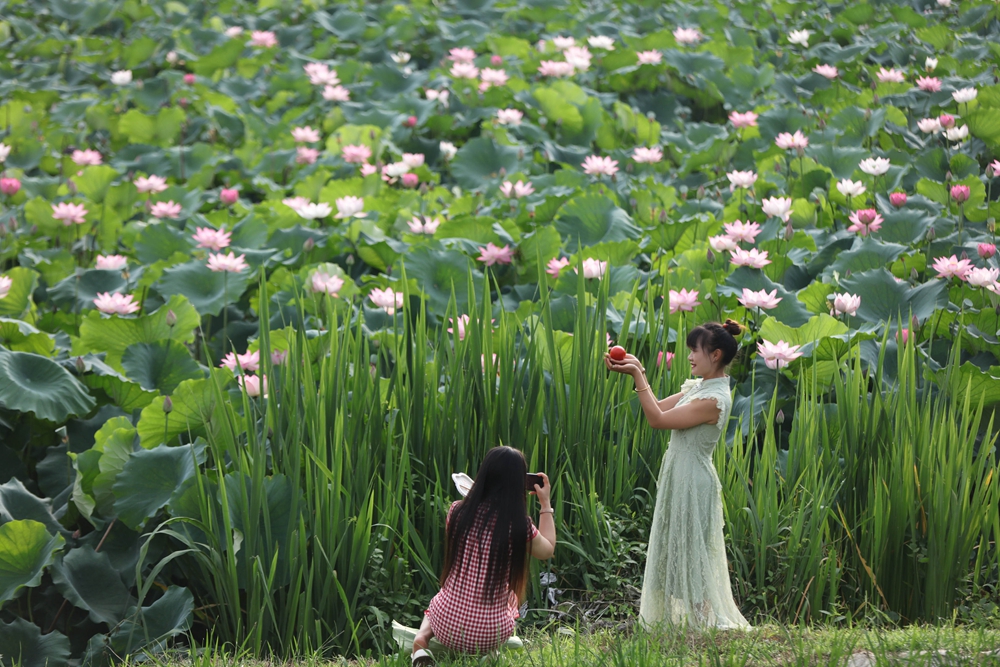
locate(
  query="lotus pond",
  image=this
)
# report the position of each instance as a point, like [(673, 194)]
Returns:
[(271, 272)]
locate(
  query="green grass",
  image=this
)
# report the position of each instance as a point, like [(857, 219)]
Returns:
[(766, 645)]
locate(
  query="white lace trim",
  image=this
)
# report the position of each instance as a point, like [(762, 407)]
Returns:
[(688, 385)]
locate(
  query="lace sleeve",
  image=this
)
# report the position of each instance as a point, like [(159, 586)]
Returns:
[(724, 401)]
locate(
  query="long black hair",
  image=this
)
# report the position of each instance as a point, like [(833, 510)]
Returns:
[(496, 507)]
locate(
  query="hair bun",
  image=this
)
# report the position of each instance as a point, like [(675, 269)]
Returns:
[(733, 327)]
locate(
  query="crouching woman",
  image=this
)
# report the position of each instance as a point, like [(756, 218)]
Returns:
[(488, 539)]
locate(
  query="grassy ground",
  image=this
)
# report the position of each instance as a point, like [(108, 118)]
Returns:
[(767, 645)]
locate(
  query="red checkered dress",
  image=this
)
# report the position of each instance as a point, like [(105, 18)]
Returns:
[(457, 615)]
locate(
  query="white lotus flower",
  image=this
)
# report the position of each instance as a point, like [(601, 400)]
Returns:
[(850, 188), (874, 166), (957, 133), (965, 95), (800, 37), (122, 77)]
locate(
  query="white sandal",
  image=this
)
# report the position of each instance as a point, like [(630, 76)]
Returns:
[(422, 658)]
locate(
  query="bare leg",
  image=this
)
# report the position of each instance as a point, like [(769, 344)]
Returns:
[(423, 638)]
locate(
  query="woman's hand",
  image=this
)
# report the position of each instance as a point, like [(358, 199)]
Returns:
[(629, 365), (544, 492)]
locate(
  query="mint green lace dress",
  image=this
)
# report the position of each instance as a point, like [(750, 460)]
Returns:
[(687, 576)]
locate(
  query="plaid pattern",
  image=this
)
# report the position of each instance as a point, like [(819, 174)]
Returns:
[(458, 617)]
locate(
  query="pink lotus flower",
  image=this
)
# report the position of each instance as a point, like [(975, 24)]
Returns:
[(492, 77), (741, 179), (516, 190), (153, 184), (496, 60), (111, 262), (320, 74), (786, 140), (903, 334), (670, 359), (649, 57), (305, 135), (828, 71), (356, 153), (254, 385), (9, 186), (263, 38), (742, 231), (324, 283), (890, 75), (579, 57), (165, 209), (295, 203), (116, 304), (778, 355), (410, 180), (368, 169), (464, 71), (952, 267), (929, 125), (981, 277), (350, 207), (336, 94), (929, 84), (986, 250), (778, 207), (462, 54), (960, 193), (491, 254), (278, 357), (413, 160), (249, 362), (647, 155), (386, 299), (5, 285), (554, 68), (683, 301), (593, 268), (687, 35), (460, 324), (213, 239), (761, 299), (427, 226), (753, 258), (993, 168), (865, 221), (229, 196), (599, 166), (555, 265), (845, 304), (69, 213), (747, 119), (229, 263), (946, 121), (189, 79), (722, 243), (86, 158), (509, 116), (234, 31), (898, 199), (305, 155)]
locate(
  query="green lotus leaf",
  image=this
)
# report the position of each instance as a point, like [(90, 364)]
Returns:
[(883, 299), (125, 394), (208, 291), (149, 479), (481, 161), (222, 56), (19, 336), (193, 403), (79, 290), (26, 549), (871, 253), (167, 617), (87, 579), (114, 334), (969, 382), (591, 219), (33, 383), (818, 327), (159, 366), (18, 299), (438, 272), (17, 503), (23, 644), (115, 440), (841, 160)]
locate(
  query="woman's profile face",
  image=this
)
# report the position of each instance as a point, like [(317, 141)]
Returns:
[(701, 362)]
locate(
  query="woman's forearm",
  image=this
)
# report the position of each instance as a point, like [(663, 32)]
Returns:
[(648, 401)]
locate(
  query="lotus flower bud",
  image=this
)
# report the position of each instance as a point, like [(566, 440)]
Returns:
[(960, 193), (171, 318), (189, 79), (986, 250), (914, 323), (531, 214), (710, 256), (914, 276), (308, 245), (964, 256), (946, 120), (183, 102), (847, 273), (3, 230), (71, 186), (789, 231), (991, 225), (168, 405), (701, 191), (520, 154), (898, 199), (350, 260), (632, 203), (663, 215), (81, 367), (411, 121), (930, 234), (780, 417), (496, 60)]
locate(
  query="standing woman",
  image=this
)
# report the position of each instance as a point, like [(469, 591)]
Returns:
[(687, 576)]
